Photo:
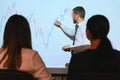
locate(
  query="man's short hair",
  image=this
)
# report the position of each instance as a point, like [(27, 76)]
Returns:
[(80, 11)]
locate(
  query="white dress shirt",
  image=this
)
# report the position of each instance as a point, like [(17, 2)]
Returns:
[(80, 38)]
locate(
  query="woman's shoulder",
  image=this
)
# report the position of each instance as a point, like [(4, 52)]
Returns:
[(28, 52), (116, 53)]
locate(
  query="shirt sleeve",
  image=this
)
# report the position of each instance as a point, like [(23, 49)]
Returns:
[(40, 70), (82, 48), (68, 32)]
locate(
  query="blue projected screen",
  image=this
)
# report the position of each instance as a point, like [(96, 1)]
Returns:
[(47, 39)]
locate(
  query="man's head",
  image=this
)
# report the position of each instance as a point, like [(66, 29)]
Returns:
[(97, 27), (78, 12)]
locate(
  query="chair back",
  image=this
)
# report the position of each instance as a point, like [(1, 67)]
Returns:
[(6, 74)]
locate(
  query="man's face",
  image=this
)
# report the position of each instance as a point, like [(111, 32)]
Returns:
[(74, 17)]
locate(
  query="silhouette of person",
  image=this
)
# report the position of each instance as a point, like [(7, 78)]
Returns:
[(101, 57)]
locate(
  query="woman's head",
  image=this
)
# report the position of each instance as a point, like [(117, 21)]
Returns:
[(98, 26), (17, 35), (17, 32)]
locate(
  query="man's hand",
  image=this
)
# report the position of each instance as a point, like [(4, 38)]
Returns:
[(66, 48), (57, 23)]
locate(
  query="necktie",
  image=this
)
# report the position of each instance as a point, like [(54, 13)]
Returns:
[(76, 28)]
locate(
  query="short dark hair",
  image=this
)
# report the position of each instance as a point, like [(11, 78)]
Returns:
[(80, 11), (98, 25)]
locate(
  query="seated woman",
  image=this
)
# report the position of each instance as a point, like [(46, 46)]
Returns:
[(17, 53), (100, 58)]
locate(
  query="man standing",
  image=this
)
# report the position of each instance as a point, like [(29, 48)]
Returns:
[(78, 35)]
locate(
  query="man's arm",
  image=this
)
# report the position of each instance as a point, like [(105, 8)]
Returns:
[(76, 49), (82, 48), (67, 31)]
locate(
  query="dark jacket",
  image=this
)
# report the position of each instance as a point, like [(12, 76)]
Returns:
[(104, 59)]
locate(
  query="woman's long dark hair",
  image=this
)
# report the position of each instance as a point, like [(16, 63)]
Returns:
[(98, 25), (17, 35)]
